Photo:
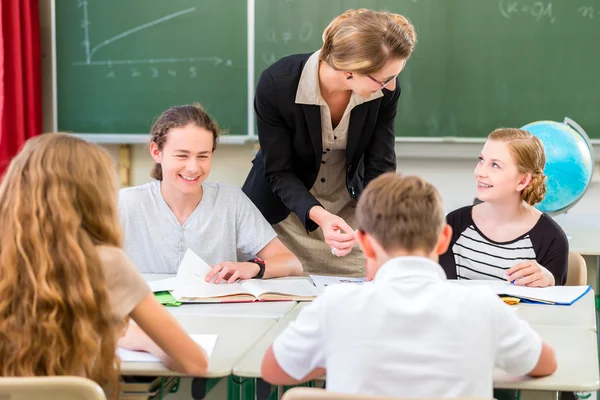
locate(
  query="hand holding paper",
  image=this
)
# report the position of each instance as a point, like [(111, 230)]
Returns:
[(229, 272)]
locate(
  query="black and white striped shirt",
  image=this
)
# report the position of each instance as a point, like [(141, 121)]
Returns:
[(472, 255)]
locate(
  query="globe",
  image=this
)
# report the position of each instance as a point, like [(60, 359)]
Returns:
[(569, 163)]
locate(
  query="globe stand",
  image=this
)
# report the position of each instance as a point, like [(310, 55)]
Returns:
[(568, 121), (564, 210), (585, 137)]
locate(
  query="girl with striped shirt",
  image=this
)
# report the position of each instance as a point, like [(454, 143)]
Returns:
[(505, 237)]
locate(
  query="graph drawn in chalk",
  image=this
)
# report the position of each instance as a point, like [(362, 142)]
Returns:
[(91, 51)]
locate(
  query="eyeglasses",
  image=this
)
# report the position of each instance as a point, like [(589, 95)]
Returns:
[(382, 84)]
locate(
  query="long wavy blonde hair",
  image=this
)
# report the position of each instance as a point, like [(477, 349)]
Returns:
[(57, 203)]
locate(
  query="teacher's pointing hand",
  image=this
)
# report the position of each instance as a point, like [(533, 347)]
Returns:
[(337, 233)]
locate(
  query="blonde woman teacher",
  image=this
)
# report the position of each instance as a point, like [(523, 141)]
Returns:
[(326, 129)]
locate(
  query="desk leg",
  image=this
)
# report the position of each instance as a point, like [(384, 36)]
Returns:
[(263, 390), (234, 388), (198, 388), (248, 389)]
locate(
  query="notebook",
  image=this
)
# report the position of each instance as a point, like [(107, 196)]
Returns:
[(552, 295), (193, 288), (166, 299)]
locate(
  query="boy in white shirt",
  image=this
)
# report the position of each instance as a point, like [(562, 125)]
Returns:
[(408, 332)]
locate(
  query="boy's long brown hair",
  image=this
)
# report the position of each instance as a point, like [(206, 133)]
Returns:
[(57, 203)]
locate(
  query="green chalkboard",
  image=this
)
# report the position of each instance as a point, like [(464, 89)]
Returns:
[(121, 63), (478, 64)]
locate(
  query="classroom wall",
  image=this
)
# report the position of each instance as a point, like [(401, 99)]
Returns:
[(452, 176)]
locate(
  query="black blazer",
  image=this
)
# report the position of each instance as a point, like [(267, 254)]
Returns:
[(287, 165)]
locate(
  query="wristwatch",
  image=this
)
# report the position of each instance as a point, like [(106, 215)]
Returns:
[(261, 264)]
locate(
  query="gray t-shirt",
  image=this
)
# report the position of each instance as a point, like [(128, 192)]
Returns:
[(224, 224)]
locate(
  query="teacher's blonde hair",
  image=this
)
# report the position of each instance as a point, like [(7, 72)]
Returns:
[(363, 41)]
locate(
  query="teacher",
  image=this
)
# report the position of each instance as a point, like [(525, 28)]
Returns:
[(326, 129)]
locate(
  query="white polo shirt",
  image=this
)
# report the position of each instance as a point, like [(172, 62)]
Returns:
[(409, 333)]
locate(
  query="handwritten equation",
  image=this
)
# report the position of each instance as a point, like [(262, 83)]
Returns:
[(539, 10), (589, 12), (543, 10), (286, 37), (153, 73), (153, 68)]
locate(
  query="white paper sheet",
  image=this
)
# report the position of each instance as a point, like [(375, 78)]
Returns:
[(322, 281), (207, 342), (163, 284), (191, 280)]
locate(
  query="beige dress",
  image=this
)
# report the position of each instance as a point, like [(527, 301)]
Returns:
[(126, 286), (329, 188)]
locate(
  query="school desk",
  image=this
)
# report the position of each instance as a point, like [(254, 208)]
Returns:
[(249, 365), (576, 349), (577, 357), (236, 336), (583, 231), (582, 314)]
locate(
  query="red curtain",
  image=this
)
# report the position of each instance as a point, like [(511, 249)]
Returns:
[(20, 76)]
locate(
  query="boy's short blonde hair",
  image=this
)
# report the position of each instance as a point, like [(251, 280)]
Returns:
[(401, 212)]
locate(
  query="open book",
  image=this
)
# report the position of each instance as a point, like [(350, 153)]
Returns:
[(191, 286), (553, 295)]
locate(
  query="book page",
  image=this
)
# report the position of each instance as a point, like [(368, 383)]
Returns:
[(191, 266), (289, 287), (191, 282), (207, 342)]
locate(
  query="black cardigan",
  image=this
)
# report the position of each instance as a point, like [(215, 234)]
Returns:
[(287, 165)]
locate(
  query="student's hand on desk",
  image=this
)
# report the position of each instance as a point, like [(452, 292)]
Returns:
[(231, 271), (529, 273)]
